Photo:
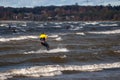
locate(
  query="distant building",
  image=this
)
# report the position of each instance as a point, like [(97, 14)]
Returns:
[(76, 4)]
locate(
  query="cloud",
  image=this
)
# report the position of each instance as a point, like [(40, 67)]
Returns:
[(32, 3)]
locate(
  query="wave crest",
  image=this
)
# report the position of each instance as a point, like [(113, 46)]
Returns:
[(52, 70)]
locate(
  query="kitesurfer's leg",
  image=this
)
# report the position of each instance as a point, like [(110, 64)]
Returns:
[(46, 45)]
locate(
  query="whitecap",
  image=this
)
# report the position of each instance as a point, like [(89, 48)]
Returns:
[(108, 24), (53, 70), (80, 33), (41, 26), (58, 39), (75, 27), (56, 50), (17, 38), (53, 36), (92, 23), (58, 23), (106, 32), (3, 25)]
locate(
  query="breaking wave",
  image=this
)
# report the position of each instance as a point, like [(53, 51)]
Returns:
[(80, 33), (56, 50), (92, 23), (108, 24), (17, 38), (106, 32), (59, 39), (53, 70), (53, 36)]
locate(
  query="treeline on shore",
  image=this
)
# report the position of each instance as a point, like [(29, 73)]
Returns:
[(62, 13)]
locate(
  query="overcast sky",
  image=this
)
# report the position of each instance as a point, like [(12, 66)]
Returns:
[(33, 3)]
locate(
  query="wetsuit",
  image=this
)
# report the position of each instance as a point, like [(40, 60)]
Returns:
[(43, 38)]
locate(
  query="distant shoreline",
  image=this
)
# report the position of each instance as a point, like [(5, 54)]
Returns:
[(61, 13), (17, 21)]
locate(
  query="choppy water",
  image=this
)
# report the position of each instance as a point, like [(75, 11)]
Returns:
[(78, 50)]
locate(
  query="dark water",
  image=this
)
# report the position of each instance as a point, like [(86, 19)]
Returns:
[(78, 50)]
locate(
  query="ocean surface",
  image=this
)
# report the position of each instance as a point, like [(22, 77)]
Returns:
[(78, 51)]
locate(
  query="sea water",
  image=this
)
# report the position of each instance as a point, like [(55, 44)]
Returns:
[(78, 51)]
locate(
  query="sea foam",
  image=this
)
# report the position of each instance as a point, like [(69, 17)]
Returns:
[(80, 33), (53, 70), (108, 24), (17, 38), (106, 32), (56, 50)]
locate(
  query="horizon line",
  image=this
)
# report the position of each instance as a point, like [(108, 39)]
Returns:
[(58, 6)]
